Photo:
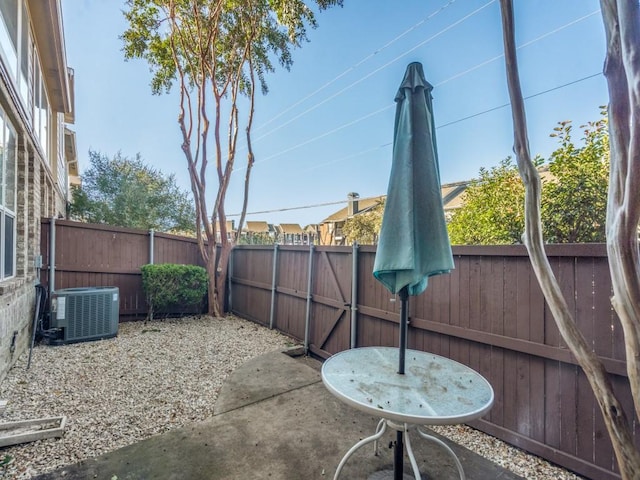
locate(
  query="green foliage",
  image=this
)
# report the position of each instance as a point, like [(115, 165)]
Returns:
[(256, 239), (573, 202), (172, 288), (364, 228), (128, 193), (575, 198), (236, 32), (493, 210)]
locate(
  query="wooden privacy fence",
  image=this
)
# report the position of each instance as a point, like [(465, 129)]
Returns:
[(489, 313), (88, 255)]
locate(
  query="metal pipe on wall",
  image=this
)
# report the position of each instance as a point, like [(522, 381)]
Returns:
[(273, 285), (354, 294), (307, 319), (52, 257)]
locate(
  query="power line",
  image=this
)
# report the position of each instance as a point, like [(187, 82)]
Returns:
[(322, 135), (356, 65), (289, 208), (526, 98), (526, 44), (458, 75), (348, 157), (388, 144), (360, 119), (357, 154), (370, 74)]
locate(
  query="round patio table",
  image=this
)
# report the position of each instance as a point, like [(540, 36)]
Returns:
[(434, 390)]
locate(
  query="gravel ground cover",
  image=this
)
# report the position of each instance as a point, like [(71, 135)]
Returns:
[(156, 377)]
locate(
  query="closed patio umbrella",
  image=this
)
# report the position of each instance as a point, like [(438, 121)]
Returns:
[(413, 243)]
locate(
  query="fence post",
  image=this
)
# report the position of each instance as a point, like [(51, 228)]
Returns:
[(151, 246), (52, 257), (354, 294), (230, 280), (307, 319), (273, 285)]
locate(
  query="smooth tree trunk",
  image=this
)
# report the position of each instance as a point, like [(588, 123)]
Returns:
[(622, 70), (211, 266), (618, 426)]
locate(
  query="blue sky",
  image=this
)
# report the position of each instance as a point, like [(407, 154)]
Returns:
[(325, 128)]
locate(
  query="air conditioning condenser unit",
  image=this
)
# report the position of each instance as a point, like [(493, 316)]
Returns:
[(84, 314)]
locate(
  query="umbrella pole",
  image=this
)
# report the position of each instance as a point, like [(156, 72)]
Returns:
[(398, 458), (398, 453), (404, 295)]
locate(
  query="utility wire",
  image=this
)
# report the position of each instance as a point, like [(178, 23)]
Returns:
[(458, 75), (370, 74), (358, 120), (384, 145), (526, 44), (289, 208), (356, 65), (330, 132), (525, 98), (389, 143)]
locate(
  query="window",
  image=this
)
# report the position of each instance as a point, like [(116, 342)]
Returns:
[(63, 178), (23, 79), (14, 44), (9, 35), (40, 108), (8, 163)]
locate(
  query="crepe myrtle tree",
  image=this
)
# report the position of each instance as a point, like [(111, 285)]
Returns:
[(622, 70), (216, 53)]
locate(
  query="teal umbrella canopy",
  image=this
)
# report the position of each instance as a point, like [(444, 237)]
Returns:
[(414, 243)]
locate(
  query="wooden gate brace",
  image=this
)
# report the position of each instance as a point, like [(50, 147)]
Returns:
[(273, 285), (307, 319)]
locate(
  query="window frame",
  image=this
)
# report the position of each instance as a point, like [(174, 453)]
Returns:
[(8, 174)]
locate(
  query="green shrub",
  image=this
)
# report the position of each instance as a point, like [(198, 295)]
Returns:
[(172, 288)]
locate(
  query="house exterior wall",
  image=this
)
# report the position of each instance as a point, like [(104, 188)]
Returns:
[(33, 100)]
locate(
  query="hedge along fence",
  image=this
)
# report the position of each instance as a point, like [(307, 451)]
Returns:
[(174, 289), (489, 313)]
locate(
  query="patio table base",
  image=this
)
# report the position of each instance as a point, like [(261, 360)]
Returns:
[(405, 428)]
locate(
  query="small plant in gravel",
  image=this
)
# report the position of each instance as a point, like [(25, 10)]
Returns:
[(172, 288)]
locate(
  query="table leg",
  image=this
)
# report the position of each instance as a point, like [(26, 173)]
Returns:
[(412, 458), (446, 447), (375, 443), (379, 432)]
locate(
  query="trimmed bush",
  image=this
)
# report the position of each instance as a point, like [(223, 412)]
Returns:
[(172, 288)]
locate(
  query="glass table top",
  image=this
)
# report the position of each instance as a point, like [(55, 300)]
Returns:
[(433, 390)]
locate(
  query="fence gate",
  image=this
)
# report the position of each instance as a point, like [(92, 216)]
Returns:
[(330, 328)]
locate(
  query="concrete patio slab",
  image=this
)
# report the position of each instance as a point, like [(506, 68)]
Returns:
[(274, 420)]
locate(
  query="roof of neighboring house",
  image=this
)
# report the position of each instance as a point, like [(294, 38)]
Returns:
[(290, 228), (257, 227), (451, 198), (229, 225), (364, 204), (452, 194)]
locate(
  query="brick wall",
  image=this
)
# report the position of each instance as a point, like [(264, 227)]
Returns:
[(17, 296), (16, 310)]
